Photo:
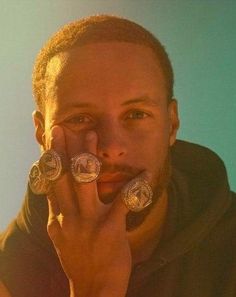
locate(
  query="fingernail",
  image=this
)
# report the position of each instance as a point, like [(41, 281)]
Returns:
[(56, 131), (91, 135)]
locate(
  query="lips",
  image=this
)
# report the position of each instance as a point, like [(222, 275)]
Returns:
[(108, 183), (115, 177)]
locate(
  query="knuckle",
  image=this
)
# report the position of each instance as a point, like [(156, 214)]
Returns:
[(53, 230)]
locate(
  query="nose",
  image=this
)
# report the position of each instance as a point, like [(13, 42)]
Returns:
[(111, 143)]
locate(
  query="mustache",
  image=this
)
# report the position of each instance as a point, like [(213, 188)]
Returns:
[(131, 171)]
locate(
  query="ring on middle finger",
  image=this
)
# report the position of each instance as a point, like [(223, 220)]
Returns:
[(85, 167), (52, 165)]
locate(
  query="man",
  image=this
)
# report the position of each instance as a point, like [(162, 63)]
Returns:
[(104, 87)]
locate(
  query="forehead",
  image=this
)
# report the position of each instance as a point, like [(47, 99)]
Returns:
[(106, 67)]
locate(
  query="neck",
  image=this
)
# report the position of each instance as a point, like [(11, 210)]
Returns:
[(146, 237)]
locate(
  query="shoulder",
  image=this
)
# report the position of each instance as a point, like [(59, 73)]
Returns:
[(191, 157)]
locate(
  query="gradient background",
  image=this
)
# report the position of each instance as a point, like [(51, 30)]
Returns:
[(200, 39)]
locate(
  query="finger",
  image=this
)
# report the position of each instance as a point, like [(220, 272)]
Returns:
[(63, 187), (54, 206), (91, 140), (84, 142), (75, 143), (89, 202), (53, 225), (119, 209), (118, 212), (87, 195)]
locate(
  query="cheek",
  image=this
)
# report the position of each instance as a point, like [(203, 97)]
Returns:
[(148, 149)]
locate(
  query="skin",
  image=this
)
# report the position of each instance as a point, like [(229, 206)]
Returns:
[(109, 99), (3, 290)]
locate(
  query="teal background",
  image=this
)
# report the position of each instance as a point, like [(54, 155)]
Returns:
[(200, 39)]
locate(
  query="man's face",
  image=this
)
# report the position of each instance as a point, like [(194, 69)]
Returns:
[(118, 90)]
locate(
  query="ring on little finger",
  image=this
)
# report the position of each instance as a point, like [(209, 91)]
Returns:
[(85, 167), (137, 194)]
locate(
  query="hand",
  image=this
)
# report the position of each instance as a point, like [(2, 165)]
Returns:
[(89, 236)]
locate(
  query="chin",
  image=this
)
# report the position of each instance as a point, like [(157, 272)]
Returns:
[(108, 197), (108, 191)]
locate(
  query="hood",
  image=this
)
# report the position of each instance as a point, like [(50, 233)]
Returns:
[(199, 196)]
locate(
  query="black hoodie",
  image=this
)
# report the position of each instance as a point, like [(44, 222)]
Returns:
[(195, 258)]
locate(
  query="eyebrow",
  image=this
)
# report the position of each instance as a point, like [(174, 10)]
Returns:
[(140, 100), (79, 105), (82, 105), (144, 99)]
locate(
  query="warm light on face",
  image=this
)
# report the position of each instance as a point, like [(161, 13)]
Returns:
[(117, 90)]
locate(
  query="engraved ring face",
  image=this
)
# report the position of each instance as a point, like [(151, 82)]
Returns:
[(137, 194), (37, 182), (85, 168), (50, 165)]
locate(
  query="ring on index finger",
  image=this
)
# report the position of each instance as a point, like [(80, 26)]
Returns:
[(137, 194), (52, 165), (85, 167)]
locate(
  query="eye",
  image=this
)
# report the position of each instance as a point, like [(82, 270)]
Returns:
[(79, 120), (137, 115)]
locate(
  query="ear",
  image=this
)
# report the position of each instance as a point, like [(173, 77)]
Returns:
[(174, 120), (39, 126)]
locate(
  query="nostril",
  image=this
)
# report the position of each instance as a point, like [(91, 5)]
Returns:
[(105, 155), (111, 154), (110, 146), (121, 153)]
